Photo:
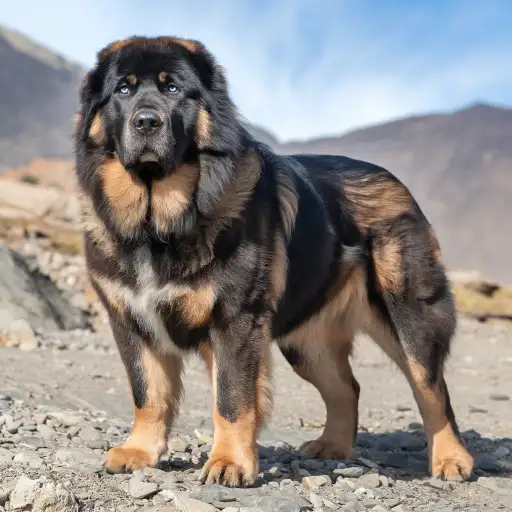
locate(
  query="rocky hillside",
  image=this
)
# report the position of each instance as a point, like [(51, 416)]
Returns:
[(458, 164)]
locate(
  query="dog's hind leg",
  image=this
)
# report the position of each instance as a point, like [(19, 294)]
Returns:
[(319, 351), (414, 323), (326, 365), (447, 456)]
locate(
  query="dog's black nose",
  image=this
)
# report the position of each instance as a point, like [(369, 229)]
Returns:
[(147, 121)]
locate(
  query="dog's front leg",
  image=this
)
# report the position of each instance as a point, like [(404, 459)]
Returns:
[(156, 386), (238, 360)]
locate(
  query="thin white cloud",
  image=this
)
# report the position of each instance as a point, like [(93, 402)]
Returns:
[(366, 70)]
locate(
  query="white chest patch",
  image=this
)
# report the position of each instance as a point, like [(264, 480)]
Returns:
[(144, 302)]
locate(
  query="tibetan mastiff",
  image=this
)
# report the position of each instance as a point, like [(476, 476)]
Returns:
[(200, 239)]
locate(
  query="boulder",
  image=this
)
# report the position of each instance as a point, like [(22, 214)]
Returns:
[(26, 294)]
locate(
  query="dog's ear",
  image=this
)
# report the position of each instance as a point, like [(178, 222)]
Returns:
[(91, 99), (210, 73), (88, 106)]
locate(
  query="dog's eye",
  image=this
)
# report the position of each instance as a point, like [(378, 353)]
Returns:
[(124, 89), (172, 88)]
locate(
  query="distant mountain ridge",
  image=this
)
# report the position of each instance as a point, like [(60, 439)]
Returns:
[(458, 165)]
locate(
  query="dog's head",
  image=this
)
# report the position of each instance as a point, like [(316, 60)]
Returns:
[(153, 103), (156, 136)]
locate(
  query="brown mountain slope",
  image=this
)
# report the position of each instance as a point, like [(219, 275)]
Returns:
[(459, 167), (38, 94)]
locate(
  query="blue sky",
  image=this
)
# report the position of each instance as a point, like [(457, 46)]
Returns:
[(306, 68)]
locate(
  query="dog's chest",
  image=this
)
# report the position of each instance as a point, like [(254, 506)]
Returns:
[(170, 313)]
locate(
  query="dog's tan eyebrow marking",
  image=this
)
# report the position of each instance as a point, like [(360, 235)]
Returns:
[(162, 77), (203, 127), (131, 79)]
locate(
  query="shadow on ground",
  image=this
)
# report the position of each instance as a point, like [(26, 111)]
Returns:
[(399, 455)]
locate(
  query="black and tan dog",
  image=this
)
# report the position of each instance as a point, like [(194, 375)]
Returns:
[(200, 239)]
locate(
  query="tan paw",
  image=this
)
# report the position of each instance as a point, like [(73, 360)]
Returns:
[(225, 471), (325, 449), (456, 465), (122, 459)]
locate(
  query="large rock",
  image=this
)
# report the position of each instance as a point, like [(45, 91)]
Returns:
[(20, 200), (27, 295)]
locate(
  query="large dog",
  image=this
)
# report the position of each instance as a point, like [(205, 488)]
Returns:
[(200, 239)]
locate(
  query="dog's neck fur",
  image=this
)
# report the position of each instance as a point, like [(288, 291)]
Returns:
[(224, 188)]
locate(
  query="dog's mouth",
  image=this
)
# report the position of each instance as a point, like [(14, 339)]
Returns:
[(148, 168)]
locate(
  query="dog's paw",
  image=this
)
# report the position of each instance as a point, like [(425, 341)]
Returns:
[(121, 459), (225, 471), (456, 466), (325, 449)]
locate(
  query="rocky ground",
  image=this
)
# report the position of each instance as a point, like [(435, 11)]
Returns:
[(64, 400)]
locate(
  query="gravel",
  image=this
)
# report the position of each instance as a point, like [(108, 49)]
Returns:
[(185, 504), (55, 498), (24, 493), (315, 482), (65, 401), (316, 500), (499, 397), (139, 489), (502, 487), (352, 472), (370, 480)]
